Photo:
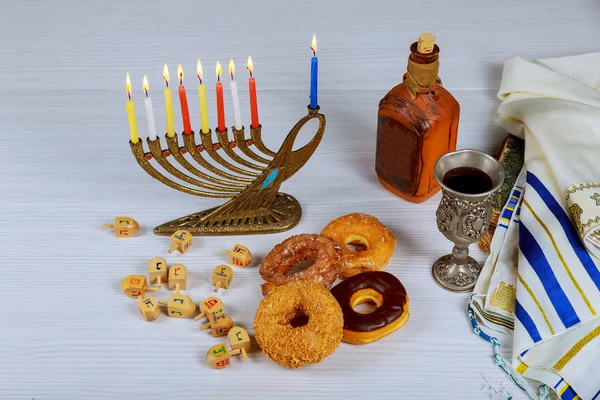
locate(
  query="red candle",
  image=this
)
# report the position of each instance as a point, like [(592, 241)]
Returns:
[(220, 105), (252, 90), (185, 113)]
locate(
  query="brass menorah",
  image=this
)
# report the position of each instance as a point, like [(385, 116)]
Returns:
[(256, 205)]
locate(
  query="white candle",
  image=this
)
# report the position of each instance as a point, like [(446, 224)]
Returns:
[(149, 112), (237, 119)]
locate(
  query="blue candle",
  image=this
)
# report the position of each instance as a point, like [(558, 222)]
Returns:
[(314, 74)]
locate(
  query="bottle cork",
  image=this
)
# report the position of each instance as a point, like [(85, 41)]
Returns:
[(425, 43)]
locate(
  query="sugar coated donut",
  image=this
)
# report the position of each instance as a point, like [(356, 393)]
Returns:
[(373, 241), (388, 294), (323, 250), (289, 344)]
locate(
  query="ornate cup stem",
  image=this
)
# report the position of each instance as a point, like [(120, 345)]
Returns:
[(460, 254), (463, 218)]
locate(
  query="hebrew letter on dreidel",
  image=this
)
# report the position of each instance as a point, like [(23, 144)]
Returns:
[(218, 357), (177, 275), (221, 277), (157, 270), (239, 339)]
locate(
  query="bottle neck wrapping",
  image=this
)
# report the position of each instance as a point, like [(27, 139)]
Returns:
[(420, 77)]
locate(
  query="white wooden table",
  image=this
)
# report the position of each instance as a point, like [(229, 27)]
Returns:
[(66, 330)]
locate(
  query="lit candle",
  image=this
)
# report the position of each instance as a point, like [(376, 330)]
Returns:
[(149, 111), (237, 119), (314, 74), (129, 106), (169, 104), (202, 97), (220, 106), (185, 112), (252, 90)]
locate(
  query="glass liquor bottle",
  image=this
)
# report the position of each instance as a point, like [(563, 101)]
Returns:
[(417, 123)]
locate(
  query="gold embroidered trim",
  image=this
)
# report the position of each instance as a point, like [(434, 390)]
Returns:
[(590, 223), (580, 186), (504, 298)]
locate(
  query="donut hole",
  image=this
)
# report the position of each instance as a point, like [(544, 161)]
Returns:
[(299, 320), (357, 243), (366, 301), (301, 266)]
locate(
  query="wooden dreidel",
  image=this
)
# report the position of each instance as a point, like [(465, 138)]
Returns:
[(221, 277), (219, 325), (239, 256), (158, 271), (177, 276), (135, 286), (239, 339), (218, 356), (148, 308), (124, 227), (181, 241), (209, 306), (179, 305)]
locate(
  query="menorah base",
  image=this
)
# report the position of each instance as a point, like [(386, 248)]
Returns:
[(283, 214)]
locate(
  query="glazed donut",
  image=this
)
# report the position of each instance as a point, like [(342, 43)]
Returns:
[(323, 250), (373, 241), (289, 344), (388, 294)]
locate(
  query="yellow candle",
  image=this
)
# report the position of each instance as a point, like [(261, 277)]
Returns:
[(202, 97), (129, 106), (169, 105)]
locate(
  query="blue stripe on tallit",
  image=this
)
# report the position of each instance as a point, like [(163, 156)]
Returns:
[(568, 394), (510, 205), (558, 383), (527, 322), (596, 396), (536, 258), (565, 222)]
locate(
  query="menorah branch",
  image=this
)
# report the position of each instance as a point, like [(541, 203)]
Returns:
[(256, 135), (227, 147), (244, 146), (176, 152), (143, 160), (194, 151)]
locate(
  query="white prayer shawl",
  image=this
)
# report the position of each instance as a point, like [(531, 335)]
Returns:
[(554, 104)]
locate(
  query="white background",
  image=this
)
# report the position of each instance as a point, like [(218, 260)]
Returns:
[(66, 330)]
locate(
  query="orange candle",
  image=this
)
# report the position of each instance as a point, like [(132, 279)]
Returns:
[(252, 90), (220, 103), (185, 112)]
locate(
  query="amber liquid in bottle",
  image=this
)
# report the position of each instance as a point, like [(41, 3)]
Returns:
[(417, 123)]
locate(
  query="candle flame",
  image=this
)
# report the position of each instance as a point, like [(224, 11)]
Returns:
[(313, 45), (199, 71), (128, 86), (219, 70), (231, 69), (249, 66), (145, 85), (180, 74), (166, 75)]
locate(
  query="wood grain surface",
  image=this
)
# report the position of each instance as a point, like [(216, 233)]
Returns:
[(66, 330)]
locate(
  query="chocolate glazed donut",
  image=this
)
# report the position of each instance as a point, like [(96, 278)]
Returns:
[(382, 288)]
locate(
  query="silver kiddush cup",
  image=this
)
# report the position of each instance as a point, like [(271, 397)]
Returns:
[(464, 216)]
